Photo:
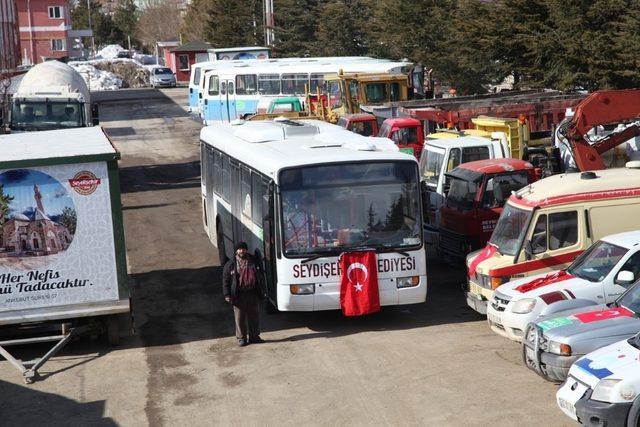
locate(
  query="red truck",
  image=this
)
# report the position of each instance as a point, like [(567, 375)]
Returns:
[(477, 193), (362, 123)]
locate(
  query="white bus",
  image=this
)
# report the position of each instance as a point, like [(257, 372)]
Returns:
[(300, 193), (241, 88), (196, 81)]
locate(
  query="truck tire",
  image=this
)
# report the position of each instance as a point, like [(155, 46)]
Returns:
[(112, 330), (222, 254)]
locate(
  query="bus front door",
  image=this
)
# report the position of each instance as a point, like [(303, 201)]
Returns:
[(268, 230), (228, 101)]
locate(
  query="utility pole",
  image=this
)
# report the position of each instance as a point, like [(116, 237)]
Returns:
[(269, 23), (93, 39)]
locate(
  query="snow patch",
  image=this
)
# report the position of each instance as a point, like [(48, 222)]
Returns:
[(97, 79)]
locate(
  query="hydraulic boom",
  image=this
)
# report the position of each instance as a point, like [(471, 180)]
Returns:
[(602, 108)]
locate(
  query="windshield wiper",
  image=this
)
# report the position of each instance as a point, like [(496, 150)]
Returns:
[(315, 257)]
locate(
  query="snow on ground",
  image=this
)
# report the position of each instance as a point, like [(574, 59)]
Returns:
[(97, 79), (109, 52)]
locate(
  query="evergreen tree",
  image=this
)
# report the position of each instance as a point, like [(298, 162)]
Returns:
[(341, 28), (195, 21), (104, 29), (234, 23), (5, 203), (125, 19), (296, 23)]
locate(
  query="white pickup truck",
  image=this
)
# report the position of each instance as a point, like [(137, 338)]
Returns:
[(442, 155), (598, 276)]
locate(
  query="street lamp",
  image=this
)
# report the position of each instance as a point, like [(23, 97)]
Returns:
[(93, 40)]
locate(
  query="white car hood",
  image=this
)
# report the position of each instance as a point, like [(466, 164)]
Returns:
[(618, 360), (509, 288)]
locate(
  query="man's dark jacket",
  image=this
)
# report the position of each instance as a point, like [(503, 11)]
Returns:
[(231, 278)]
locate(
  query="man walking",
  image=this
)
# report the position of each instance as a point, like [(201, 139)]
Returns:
[(243, 287)]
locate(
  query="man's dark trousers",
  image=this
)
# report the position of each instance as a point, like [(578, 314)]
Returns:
[(246, 309)]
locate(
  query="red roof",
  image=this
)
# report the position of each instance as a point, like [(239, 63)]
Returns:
[(359, 117), (403, 121), (497, 165)]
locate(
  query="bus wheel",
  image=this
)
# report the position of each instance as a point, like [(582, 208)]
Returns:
[(222, 254), (270, 307)]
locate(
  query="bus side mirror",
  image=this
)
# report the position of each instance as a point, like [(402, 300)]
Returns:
[(95, 120), (624, 278)]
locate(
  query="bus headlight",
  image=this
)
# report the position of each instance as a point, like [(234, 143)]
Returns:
[(302, 289), (407, 282), (523, 306)]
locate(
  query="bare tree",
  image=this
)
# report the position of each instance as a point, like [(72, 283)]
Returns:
[(159, 20)]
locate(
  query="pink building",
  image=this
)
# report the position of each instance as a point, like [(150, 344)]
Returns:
[(181, 58), (45, 30)]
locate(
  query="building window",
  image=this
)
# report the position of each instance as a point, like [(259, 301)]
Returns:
[(55, 12), (183, 60), (57, 45)]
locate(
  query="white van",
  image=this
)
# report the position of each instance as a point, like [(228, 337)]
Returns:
[(545, 225)]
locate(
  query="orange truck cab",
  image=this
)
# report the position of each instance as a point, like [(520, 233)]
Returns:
[(406, 132), (361, 123), (477, 193)]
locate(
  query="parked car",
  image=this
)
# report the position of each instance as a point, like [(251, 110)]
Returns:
[(600, 275), (162, 77), (603, 387), (552, 344)]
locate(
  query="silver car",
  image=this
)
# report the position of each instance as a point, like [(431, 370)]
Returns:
[(162, 77), (552, 343)]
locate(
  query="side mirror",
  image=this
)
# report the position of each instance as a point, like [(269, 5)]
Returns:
[(528, 250), (625, 278)]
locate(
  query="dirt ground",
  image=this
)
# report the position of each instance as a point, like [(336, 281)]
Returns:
[(435, 363)]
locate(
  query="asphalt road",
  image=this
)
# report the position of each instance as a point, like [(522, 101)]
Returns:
[(434, 363)]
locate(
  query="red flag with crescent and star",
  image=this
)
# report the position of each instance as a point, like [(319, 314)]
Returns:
[(359, 293)]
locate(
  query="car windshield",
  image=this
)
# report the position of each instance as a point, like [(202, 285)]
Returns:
[(596, 264), (631, 299), (326, 209), (45, 115), (510, 229), (462, 193), (430, 165), (162, 71)]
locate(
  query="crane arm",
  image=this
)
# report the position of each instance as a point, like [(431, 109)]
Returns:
[(602, 108)]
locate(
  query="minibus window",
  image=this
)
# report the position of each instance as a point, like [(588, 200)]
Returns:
[(246, 84), (539, 238), (269, 84), (563, 229), (214, 85)]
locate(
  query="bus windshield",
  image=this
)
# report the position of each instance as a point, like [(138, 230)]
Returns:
[(510, 229), (327, 209), (42, 115)]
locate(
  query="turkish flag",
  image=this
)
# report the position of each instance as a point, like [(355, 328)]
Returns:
[(595, 316), (359, 283)]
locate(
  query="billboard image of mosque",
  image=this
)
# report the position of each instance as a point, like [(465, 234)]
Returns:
[(37, 216)]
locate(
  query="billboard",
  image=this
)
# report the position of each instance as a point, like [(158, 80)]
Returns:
[(56, 237)]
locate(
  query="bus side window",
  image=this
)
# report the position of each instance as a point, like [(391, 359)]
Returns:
[(245, 191), (563, 229), (539, 238), (226, 179), (258, 190), (217, 173)]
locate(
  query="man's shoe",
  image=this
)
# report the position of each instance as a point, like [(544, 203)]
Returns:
[(256, 340), (242, 342)]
